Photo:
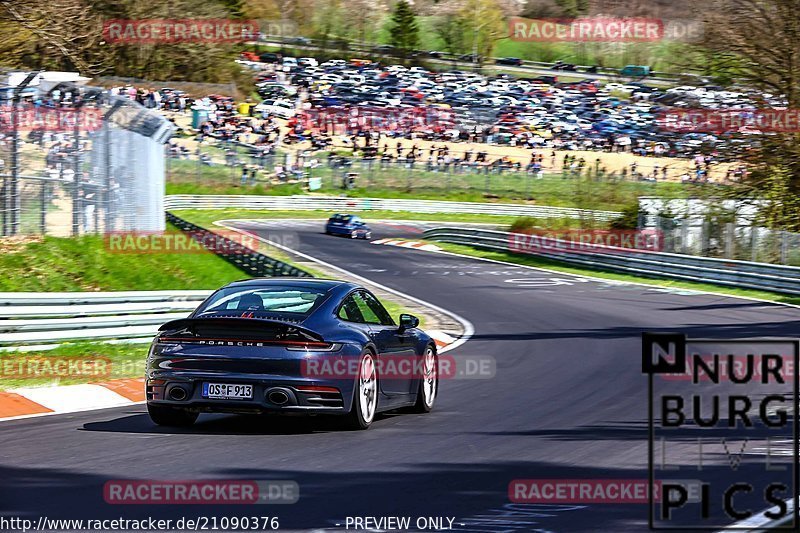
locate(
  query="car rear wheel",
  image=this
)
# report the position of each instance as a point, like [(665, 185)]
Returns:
[(365, 397), (165, 415), (429, 382)]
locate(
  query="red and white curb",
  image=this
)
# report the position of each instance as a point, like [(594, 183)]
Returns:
[(404, 243), (37, 401), (442, 339)]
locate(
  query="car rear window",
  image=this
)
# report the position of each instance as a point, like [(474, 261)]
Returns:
[(274, 299)]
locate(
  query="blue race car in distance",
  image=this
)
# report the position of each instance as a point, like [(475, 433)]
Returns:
[(349, 225), (290, 345)]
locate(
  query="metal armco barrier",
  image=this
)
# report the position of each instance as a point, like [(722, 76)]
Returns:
[(739, 274), (338, 203), (254, 263), (33, 318)]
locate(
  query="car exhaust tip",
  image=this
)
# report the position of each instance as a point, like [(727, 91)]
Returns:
[(177, 393), (278, 397)]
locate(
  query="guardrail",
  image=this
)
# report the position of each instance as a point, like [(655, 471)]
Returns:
[(740, 274), (341, 203), (43, 318)]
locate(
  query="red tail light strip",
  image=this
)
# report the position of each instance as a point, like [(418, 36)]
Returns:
[(314, 388), (243, 342)]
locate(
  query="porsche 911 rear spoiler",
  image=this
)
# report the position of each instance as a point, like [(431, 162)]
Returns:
[(231, 329)]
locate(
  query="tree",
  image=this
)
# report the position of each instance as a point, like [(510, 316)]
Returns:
[(453, 32), (68, 35), (486, 23), (404, 32), (756, 42)]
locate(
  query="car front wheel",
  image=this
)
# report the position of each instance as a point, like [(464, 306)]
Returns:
[(429, 382), (165, 415)]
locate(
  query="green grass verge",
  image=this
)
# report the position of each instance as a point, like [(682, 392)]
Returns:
[(233, 189), (99, 361), (569, 269), (86, 264)]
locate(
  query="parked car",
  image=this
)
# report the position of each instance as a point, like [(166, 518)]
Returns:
[(269, 57), (635, 71), (280, 108), (513, 61)]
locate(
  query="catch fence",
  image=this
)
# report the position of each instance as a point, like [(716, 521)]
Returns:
[(75, 160)]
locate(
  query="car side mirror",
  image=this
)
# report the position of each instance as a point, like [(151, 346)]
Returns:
[(408, 322)]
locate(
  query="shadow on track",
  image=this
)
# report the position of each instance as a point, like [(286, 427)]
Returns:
[(221, 424)]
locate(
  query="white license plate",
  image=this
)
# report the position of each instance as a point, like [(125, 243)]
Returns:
[(227, 391)]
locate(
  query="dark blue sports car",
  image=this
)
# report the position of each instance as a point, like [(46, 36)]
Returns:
[(348, 225), (306, 346)]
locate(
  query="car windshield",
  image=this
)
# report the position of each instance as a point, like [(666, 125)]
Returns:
[(341, 218), (273, 299)]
